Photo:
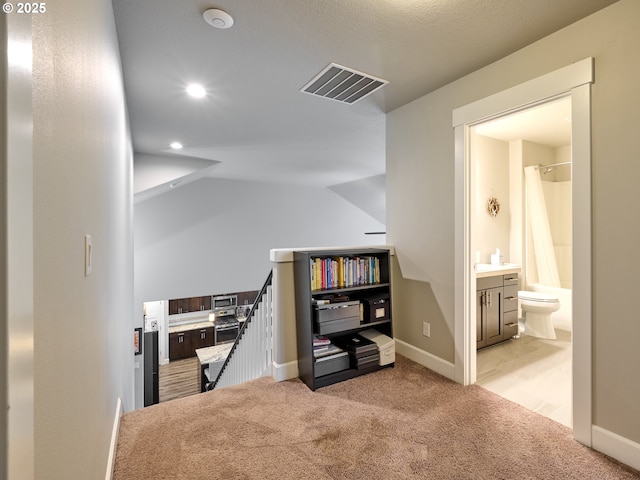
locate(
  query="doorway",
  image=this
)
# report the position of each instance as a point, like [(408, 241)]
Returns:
[(574, 81), (533, 233)]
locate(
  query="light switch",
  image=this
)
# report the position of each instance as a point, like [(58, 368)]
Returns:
[(88, 255)]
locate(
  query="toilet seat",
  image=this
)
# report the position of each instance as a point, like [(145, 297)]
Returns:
[(537, 297)]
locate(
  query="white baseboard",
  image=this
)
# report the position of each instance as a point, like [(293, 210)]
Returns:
[(438, 365), (616, 446), (114, 440), (285, 371)]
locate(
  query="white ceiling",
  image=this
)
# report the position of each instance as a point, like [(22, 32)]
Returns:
[(255, 121), (546, 124)]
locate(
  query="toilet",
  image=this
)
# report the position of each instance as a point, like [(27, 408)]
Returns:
[(536, 313)]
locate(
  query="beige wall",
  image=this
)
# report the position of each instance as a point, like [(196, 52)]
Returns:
[(420, 194), (71, 176), (492, 180)]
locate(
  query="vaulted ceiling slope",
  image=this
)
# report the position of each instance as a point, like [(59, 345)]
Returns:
[(257, 123)]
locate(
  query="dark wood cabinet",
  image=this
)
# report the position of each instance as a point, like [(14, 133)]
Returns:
[(359, 286), (188, 305), (202, 337), (180, 345), (489, 326), (184, 344), (200, 304), (496, 309)]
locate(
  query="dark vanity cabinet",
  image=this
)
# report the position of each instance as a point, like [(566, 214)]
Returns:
[(496, 309), (488, 311)]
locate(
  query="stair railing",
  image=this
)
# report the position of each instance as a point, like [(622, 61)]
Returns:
[(251, 354)]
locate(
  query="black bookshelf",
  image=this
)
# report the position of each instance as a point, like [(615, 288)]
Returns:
[(306, 292)]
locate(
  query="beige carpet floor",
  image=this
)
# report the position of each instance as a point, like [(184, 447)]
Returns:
[(399, 423)]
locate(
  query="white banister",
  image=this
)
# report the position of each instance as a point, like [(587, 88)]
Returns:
[(251, 356)]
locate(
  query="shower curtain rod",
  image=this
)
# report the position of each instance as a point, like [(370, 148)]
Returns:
[(555, 165)]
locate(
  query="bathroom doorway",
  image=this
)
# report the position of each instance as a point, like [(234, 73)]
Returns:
[(574, 81), (516, 157)]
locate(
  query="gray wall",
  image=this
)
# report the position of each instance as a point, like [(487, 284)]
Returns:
[(420, 166), (73, 177), (368, 194), (214, 235), (3, 250), (20, 252)]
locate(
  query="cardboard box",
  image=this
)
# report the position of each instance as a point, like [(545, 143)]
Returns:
[(386, 345)]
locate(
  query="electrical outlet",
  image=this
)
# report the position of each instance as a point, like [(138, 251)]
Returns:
[(426, 329)]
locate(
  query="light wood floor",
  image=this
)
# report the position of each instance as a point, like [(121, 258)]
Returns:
[(179, 378), (532, 372)]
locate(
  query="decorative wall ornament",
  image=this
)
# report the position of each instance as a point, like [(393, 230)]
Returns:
[(493, 206)]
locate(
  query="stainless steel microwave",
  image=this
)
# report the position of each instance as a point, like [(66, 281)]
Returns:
[(226, 301)]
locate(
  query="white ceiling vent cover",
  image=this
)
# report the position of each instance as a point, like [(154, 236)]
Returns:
[(342, 84)]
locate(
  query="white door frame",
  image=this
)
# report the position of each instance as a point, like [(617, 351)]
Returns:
[(574, 80)]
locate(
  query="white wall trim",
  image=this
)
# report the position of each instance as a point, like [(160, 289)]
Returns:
[(114, 440), (426, 359), (525, 94), (284, 371), (616, 446), (575, 80)]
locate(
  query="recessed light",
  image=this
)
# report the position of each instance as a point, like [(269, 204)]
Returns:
[(176, 145), (196, 90)]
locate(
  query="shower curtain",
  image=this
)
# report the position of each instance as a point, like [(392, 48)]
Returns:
[(538, 222)]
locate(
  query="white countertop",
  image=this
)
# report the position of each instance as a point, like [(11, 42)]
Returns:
[(488, 270), (190, 326), (216, 353), (184, 327)]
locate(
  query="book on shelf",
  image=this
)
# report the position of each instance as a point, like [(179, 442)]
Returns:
[(330, 350), (319, 340), (344, 272)]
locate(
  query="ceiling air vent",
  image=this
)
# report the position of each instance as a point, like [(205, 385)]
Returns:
[(342, 84)]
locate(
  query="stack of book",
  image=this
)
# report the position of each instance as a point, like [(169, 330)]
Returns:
[(322, 347), (344, 272), (328, 358)]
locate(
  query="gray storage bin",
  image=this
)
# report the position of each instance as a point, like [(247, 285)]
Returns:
[(331, 364), (336, 317)]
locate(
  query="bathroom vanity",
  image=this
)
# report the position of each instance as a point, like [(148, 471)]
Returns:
[(496, 303)]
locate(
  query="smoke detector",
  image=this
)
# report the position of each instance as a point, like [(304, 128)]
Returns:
[(217, 18)]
